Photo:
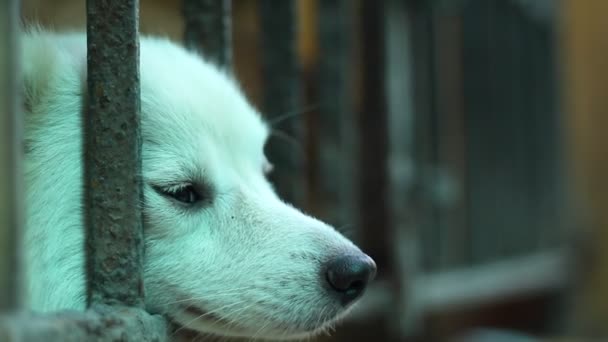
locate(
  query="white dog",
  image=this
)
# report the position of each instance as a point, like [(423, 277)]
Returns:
[(224, 255)]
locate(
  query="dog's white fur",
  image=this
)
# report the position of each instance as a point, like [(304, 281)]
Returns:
[(248, 260)]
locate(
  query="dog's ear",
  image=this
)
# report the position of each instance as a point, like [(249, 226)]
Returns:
[(49, 63)]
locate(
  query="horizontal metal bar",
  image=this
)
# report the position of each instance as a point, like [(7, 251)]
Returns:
[(102, 324), (112, 154), (472, 287), (497, 281)]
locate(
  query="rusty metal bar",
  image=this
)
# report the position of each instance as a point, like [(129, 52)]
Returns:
[(112, 154), (11, 209), (282, 96), (105, 323), (208, 29), (114, 242)]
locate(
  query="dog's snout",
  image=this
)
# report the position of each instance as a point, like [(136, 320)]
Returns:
[(348, 275)]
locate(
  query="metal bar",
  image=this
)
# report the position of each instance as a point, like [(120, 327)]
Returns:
[(421, 205), (11, 209), (282, 96), (450, 165), (105, 323), (112, 154), (468, 288), (335, 126), (582, 42), (208, 29), (112, 167), (493, 282), (372, 123), (402, 201)]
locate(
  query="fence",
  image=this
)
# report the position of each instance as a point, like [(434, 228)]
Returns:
[(409, 120), (112, 176)]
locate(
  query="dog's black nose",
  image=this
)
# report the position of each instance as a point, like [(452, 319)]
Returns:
[(348, 275)]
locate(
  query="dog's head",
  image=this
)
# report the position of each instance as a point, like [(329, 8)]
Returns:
[(224, 254)]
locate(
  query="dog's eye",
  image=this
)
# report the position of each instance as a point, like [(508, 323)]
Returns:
[(186, 193)]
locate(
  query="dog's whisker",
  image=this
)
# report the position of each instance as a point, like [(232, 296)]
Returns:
[(321, 318), (288, 138), (237, 315), (291, 114), (210, 296), (260, 330), (208, 313), (348, 229)]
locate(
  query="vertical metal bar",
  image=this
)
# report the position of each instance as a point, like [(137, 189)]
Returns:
[(405, 319), (584, 45), (11, 208), (208, 29), (282, 95), (112, 154), (511, 130), (450, 168), (335, 122), (424, 121), (372, 123)]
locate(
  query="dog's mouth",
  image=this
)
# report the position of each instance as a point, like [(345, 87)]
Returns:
[(194, 321), (202, 314), (191, 316)]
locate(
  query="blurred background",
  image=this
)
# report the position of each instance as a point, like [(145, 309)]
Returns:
[(461, 143)]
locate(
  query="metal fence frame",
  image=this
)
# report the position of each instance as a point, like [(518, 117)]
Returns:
[(115, 294), (116, 310)]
